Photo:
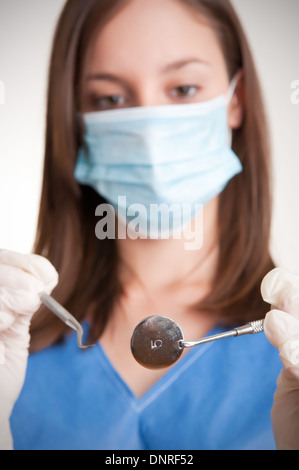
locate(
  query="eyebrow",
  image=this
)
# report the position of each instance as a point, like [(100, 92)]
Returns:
[(167, 68), (104, 76), (183, 63)]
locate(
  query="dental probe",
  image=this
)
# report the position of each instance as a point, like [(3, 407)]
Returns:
[(250, 328), (65, 316), (158, 341)]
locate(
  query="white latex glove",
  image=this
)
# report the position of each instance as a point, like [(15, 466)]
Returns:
[(22, 278), (281, 289)]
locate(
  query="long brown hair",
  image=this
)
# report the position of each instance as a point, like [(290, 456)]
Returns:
[(88, 267)]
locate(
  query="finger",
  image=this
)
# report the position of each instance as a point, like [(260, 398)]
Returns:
[(16, 338), (15, 278), (282, 330), (6, 320), (281, 289), (16, 311), (279, 326), (19, 302), (36, 265)]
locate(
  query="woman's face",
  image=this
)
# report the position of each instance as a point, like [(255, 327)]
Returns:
[(156, 52)]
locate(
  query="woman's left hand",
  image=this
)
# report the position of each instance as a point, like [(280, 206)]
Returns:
[(281, 289)]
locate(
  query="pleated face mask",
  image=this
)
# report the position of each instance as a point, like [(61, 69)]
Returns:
[(173, 158)]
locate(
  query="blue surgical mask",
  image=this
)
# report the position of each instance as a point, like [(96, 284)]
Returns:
[(174, 154)]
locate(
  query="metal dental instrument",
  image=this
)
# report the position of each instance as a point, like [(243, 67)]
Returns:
[(158, 341), (65, 316)]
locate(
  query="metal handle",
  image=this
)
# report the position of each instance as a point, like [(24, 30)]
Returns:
[(250, 328), (65, 316)]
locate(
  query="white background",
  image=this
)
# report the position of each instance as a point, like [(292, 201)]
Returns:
[(26, 29)]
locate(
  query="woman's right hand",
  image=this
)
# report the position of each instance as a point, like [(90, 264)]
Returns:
[(22, 278)]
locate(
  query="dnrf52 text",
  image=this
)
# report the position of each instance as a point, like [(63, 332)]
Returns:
[(150, 459)]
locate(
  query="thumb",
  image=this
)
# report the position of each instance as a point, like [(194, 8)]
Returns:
[(280, 288)]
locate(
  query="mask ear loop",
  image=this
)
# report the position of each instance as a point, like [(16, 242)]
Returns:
[(232, 89), (229, 97)]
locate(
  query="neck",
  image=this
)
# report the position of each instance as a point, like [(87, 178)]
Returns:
[(157, 266)]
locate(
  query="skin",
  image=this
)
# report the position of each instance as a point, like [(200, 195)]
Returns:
[(158, 52)]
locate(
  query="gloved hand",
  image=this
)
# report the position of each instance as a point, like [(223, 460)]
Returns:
[(281, 289), (22, 278)]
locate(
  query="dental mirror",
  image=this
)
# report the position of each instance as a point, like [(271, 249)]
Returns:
[(155, 342), (158, 341)]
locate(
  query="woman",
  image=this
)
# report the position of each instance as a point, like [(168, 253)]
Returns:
[(160, 64)]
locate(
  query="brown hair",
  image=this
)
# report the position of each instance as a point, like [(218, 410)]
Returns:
[(88, 267)]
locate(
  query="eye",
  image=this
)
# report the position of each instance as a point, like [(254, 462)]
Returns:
[(111, 101), (185, 91)]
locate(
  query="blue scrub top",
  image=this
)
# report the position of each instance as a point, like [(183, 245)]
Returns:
[(218, 396)]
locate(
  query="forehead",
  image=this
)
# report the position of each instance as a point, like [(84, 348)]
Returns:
[(150, 33)]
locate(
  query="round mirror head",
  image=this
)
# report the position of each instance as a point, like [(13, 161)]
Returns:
[(155, 342)]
